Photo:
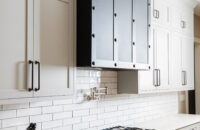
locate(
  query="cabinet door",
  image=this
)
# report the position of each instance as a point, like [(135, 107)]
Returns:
[(175, 61), (176, 18), (161, 56), (53, 42), (141, 17), (188, 62), (187, 18), (123, 33), (102, 30), (146, 78), (161, 12), (13, 49)]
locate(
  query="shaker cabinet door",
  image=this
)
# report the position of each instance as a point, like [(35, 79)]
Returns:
[(161, 56), (161, 12), (53, 47), (123, 33), (188, 62), (102, 33), (141, 38), (13, 49), (175, 61)]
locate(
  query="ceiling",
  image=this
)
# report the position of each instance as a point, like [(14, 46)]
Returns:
[(197, 10)]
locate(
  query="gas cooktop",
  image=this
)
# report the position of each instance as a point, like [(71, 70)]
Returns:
[(126, 128)]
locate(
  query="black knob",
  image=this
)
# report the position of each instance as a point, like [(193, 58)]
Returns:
[(115, 39), (93, 63), (149, 67), (93, 7), (149, 46), (115, 14), (133, 66), (115, 64), (133, 20), (133, 43), (93, 35)]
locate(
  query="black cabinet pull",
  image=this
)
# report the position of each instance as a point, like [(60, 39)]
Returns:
[(38, 63), (32, 70)]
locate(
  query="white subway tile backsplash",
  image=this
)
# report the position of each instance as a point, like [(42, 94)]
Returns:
[(64, 128), (41, 118), (15, 106), (81, 126), (96, 123), (78, 113), (51, 124), (89, 118), (110, 111), (10, 128), (71, 121), (62, 115), (29, 112), (52, 109), (62, 102), (41, 104), (8, 114), (15, 122)]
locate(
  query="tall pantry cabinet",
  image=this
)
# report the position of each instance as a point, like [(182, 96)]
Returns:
[(36, 48)]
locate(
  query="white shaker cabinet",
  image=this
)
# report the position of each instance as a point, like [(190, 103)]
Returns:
[(187, 62), (36, 49), (13, 49), (161, 58), (175, 61), (161, 12), (172, 56), (53, 47)]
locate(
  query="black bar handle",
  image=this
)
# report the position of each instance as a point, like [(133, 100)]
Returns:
[(38, 63), (32, 71)]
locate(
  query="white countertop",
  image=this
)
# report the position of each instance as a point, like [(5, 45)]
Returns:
[(172, 122)]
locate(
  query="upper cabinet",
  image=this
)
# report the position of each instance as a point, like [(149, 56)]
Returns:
[(172, 54), (13, 49), (113, 34), (161, 12), (53, 47), (37, 48)]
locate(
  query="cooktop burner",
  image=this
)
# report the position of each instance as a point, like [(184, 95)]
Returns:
[(125, 128)]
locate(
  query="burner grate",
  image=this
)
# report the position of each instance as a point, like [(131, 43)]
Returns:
[(125, 128)]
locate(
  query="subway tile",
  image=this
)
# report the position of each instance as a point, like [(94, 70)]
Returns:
[(15, 122), (28, 112), (8, 114), (51, 124), (10, 128), (62, 102), (96, 123), (15, 106), (41, 118), (41, 104), (89, 118), (81, 126), (69, 127), (81, 113), (62, 115), (70, 121), (52, 109)]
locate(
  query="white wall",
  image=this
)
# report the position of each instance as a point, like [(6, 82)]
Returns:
[(94, 115)]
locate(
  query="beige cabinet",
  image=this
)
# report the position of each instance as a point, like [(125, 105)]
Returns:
[(13, 49), (53, 46), (40, 32)]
